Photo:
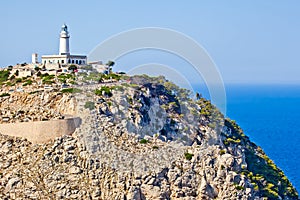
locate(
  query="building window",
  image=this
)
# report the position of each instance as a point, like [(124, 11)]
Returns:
[(79, 62), (73, 61), (62, 61), (83, 62), (69, 61)]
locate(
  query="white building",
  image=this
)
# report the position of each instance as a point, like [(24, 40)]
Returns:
[(34, 58), (64, 56)]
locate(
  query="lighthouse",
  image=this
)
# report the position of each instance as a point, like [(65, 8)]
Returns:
[(64, 57), (64, 41)]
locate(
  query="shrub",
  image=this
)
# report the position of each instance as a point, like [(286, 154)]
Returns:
[(222, 152), (4, 95), (18, 80), (47, 79), (104, 89), (28, 82), (72, 67), (238, 187), (73, 83), (48, 82), (113, 76), (9, 84), (71, 90), (227, 141), (12, 77), (109, 103), (89, 105), (188, 156), (144, 141)]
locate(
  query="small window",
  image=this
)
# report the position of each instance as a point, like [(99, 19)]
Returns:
[(62, 61)]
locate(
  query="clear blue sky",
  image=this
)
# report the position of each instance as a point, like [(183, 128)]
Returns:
[(250, 41)]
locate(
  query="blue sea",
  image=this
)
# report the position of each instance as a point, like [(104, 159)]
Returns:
[(270, 116)]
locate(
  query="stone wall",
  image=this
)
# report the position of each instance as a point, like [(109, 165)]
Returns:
[(41, 131)]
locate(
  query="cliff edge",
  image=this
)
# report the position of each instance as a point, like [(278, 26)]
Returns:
[(141, 138)]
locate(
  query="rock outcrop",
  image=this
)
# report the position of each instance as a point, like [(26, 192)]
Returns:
[(145, 139)]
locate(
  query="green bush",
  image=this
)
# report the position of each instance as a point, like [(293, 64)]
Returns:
[(112, 76), (188, 156), (28, 82), (109, 103), (4, 95), (144, 141), (227, 141), (71, 90), (18, 80), (222, 152), (89, 105), (104, 89), (63, 78), (47, 79), (9, 84), (72, 67), (238, 187), (12, 77)]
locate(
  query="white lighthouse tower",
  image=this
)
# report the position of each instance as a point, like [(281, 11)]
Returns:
[(64, 57), (64, 41)]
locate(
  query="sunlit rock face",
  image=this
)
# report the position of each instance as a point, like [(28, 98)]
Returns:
[(144, 138)]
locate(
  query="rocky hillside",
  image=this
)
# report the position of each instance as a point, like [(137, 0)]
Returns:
[(37, 106), (142, 139)]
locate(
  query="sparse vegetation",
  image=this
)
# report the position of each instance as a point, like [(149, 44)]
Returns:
[(4, 95), (64, 78), (238, 187), (104, 90), (28, 82), (71, 90), (18, 80), (89, 105), (144, 141), (188, 155), (72, 68), (222, 152), (4, 74), (261, 170), (47, 79)]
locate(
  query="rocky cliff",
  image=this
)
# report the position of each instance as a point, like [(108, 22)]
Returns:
[(143, 139)]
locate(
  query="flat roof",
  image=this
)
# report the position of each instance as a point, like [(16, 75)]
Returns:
[(64, 56)]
